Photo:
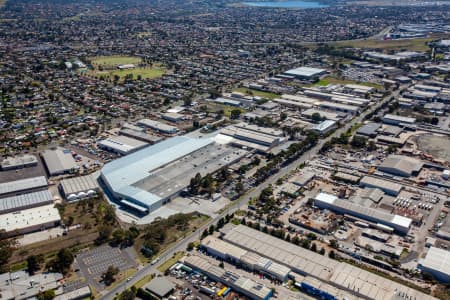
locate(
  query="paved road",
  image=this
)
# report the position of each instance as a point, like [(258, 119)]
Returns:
[(181, 245)]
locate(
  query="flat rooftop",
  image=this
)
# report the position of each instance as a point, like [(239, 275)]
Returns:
[(437, 259), (177, 175), (305, 72), (122, 144), (29, 218)]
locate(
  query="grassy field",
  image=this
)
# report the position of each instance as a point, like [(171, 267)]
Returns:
[(170, 262), (143, 72), (334, 80), (261, 94), (419, 44), (112, 61), (105, 67)]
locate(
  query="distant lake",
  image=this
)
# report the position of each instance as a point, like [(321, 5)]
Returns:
[(287, 4)]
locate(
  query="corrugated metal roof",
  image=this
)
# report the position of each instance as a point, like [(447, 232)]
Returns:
[(122, 173), (23, 184), (26, 200)]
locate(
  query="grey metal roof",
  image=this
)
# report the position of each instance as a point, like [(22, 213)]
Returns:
[(160, 286), (25, 201), (122, 173), (19, 161), (401, 163), (80, 184), (341, 275), (59, 161), (23, 184), (437, 259), (369, 129)]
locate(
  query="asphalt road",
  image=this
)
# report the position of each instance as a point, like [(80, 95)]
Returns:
[(181, 245)]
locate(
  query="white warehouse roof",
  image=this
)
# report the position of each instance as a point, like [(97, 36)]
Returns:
[(29, 218)]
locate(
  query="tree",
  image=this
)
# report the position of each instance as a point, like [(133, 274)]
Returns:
[(316, 117), (314, 247), (371, 146), (128, 294), (334, 244), (63, 261), (104, 232), (34, 263), (6, 250), (211, 229), (322, 251), (235, 114), (332, 255), (46, 295), (221, 265), (204, 234), (109, 275), (190, 246), (359, 141), (118, 236)]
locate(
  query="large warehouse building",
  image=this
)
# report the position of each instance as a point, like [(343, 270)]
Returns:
[(248, 287), (30, 220), (147, 179), (325, 272), (437, 263), (59, 161), (25, 201), (398, 223), (250, 260), (306, 73), (401, 165), (19, 162), (11, 188)]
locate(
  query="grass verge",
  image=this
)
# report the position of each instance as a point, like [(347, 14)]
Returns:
[(170, 262)]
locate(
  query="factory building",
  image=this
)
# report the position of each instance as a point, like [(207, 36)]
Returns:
[(401, 165), (390, 188), (437, 263), (59, 161), (255, 137), (80, 187), (173, 117), (157, 126), (19, 162), (397, 120), (121, 144), (369, 129), (250, 260), (325, 127), (399, 223), (140, 135), (23, 185), (148, 178), (17, 285), (330, 277), (29, 220), (306, 73), (25, 201), (241, 284)]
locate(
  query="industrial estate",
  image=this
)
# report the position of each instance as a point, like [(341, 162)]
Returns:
[(224, 150)]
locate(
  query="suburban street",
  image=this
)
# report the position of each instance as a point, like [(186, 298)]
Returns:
[(181, 245)]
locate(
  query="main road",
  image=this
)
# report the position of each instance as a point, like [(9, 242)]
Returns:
[(182, 244)]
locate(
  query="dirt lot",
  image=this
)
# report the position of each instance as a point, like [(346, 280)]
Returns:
[(438, 146)]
